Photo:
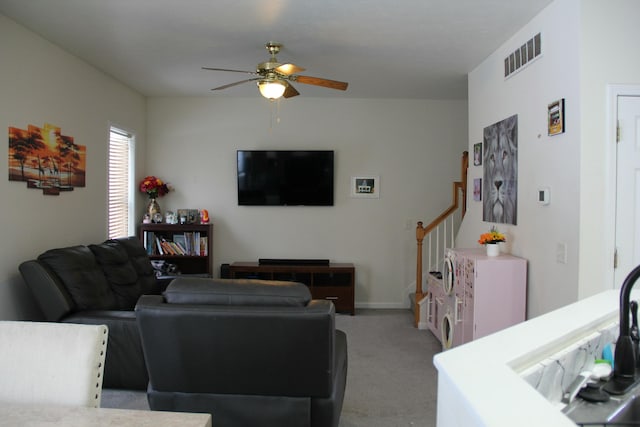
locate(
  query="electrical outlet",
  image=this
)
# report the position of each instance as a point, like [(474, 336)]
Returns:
[(561, 253)]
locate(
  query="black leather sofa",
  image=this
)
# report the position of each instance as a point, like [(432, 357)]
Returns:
[(98, 284), (250, 352)]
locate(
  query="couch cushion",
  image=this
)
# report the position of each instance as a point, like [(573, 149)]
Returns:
[(119, 271), (141, 263), (81, 276), (190, 290)]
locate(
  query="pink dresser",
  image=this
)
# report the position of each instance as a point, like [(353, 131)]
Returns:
[(478, 295)]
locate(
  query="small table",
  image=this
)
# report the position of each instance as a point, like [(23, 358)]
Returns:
[(47, 416)]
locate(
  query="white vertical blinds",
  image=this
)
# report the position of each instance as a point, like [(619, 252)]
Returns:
[(119, 183)]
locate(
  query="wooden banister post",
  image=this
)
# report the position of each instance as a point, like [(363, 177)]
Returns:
[(420, 233), (463, 177)]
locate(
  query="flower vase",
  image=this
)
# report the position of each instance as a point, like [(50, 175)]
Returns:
[(493, 249), (153, 208)]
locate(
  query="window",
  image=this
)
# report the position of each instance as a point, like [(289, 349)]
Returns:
[(120, 184)]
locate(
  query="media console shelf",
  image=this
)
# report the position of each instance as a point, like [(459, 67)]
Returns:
[(334, 282)]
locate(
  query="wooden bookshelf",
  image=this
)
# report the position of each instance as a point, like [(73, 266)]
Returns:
[(197, 257)]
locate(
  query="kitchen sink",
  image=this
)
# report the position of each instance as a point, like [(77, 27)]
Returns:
[(623, 410), (627, 414), (614, 402)]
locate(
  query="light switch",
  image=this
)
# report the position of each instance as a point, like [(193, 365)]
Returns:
[(544, 196)]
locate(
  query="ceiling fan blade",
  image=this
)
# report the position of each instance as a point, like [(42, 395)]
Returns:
[(236, 83), (317, 81), (233, 71), (290, 91), (288, 69)]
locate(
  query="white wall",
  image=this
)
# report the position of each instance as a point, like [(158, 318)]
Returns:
[(543, 161), (40, 83), (588, 45), (609, 56), (414, 146)]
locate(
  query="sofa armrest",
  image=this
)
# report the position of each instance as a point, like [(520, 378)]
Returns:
[(50, 295), (125, 366)]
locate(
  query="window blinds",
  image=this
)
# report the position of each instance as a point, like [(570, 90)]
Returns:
[(119, 182)]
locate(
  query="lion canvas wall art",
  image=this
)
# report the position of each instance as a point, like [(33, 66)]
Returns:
[(500, 178)]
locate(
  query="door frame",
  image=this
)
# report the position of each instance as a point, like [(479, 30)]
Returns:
[(613, 92)]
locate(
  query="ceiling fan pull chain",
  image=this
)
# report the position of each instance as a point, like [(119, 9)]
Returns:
[(278, 111)]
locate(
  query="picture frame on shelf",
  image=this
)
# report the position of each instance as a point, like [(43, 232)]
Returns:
[(367, 187), (188, 216), (193, 216)]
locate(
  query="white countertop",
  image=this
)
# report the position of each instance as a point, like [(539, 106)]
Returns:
[(477, 383), (49, 416)]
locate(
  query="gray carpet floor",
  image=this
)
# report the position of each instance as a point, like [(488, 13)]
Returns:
[(391, 381)]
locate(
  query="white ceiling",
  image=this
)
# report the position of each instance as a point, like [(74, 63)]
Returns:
[(419, 49)]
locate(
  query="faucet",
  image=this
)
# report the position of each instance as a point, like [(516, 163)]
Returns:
[(625, 374)]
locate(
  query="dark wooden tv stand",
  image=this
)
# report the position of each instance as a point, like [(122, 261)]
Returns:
[(334, 282)]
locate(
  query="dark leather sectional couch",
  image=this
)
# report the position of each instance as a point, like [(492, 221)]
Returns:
[(251, 352), (98, 284)]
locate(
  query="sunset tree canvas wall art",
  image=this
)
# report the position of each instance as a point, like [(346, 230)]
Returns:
[(45, 159)]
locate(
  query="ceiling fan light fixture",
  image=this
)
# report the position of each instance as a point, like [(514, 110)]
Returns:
[(273, 77), (271, 89)]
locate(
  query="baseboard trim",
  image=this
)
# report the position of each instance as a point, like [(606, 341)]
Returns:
[(382, 305), (423, 326)]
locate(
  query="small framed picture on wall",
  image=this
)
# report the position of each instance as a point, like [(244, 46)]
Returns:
[(555, 117), (477, 154), (477, 189), (367, 187)]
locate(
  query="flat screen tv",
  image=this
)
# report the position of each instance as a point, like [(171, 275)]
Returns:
[(285, 177)]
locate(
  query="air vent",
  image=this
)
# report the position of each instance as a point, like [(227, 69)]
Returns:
[(523, 56)]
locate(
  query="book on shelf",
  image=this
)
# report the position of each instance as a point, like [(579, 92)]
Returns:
[(159, 249), (148, 241), (166, 245), (180, 241), (181, 249), (204, 246), (192, 243), (176, 248), (189, 243)]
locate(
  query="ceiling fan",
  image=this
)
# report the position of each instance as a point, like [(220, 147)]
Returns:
[(273, 77)]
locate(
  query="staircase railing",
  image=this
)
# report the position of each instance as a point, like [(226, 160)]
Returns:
[(440, 232)]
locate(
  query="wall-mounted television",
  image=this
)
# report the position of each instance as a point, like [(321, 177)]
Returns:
[(285, 177)]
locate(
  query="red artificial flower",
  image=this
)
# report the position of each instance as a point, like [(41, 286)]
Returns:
[(154, 187)]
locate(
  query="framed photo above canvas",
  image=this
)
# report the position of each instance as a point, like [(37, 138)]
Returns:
[(555, 117)]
